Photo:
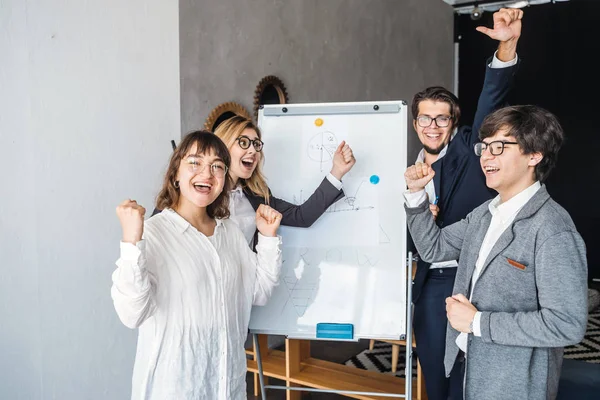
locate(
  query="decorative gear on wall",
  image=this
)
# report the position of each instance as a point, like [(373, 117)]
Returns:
[(270, 90), (223, 112)]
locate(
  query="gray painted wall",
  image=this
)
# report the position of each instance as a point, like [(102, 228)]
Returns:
[(323, 50), (81, 129)]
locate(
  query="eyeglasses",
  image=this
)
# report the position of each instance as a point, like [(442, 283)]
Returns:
[(217, 169), (441, 121), (496, 147), (245, 141)]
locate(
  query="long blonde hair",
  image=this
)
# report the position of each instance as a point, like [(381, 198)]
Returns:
[(229, 130)]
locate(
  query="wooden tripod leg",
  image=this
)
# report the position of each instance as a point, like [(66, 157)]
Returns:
[(395, 354), (296, 352)]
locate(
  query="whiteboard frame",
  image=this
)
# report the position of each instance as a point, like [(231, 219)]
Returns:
[(301, 109)]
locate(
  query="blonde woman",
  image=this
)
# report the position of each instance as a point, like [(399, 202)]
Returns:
[(243, 138)]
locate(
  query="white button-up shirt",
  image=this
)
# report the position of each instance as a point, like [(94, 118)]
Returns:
[(191, 296)]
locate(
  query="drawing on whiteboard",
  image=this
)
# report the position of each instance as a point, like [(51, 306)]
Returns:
[(350, 203), (383, 237), (366, 259), (302, 283), (321, 147), (333, 255)]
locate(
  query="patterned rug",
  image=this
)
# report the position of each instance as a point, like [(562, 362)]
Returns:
[(380, 358), (589, 348)]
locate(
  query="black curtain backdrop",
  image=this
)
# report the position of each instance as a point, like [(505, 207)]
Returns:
[(559, 46)]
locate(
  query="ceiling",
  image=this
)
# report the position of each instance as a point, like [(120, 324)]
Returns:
[(467, 6)]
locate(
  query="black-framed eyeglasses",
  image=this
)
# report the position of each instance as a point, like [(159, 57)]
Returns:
[(245, 141), (218, 169), (496, 147), (441, 121)]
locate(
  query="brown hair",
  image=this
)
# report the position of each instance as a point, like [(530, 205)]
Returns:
[(441, 95), (205, 142), (231, 129), (535, 129)]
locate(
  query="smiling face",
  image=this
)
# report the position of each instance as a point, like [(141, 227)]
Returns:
[(243, 161), (433, 137), (201, 178), (510, 172)]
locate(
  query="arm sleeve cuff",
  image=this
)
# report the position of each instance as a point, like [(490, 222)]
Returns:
[(477, 324), (131, 252), (496, 63), (334, 181), (415, 199), (267, 242)]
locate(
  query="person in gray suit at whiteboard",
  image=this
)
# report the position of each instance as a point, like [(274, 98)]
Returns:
[(243, 138), (458, 188), (520, 293)]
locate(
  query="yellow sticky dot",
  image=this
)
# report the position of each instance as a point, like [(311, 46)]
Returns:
[(318, 122)]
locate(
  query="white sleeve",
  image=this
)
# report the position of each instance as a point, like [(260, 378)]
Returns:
[(133, 287), (268, 267), (477, 324), (496, 63), (334, 181), (415, 199)]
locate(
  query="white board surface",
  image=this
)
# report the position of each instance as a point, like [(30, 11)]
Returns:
[(350, 266)]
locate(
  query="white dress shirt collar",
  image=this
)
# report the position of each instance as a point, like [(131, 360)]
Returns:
[(509, 208), (181, 223)]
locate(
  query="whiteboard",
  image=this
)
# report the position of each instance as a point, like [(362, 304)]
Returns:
[(350, 266)]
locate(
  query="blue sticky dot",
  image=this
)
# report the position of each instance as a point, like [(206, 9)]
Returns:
[(374, 179)]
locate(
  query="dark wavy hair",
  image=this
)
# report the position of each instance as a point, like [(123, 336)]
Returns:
[(437, 94), (205, 142), (535, 129)]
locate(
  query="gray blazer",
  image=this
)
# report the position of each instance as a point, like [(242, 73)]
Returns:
[(532, 293)]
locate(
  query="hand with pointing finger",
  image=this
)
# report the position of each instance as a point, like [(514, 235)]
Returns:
[(507, 30)]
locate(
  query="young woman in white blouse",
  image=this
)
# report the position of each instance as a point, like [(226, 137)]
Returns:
[(187, 279), (243, 138)]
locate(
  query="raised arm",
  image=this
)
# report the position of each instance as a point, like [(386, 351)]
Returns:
[(499, 77), (134, 286), (267, 259), (305, 214), (432, 243)]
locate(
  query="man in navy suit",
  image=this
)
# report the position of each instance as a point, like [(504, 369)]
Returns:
[(457, 188)]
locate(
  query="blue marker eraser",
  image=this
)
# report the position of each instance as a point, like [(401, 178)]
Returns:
[(326, 330), (374, 179)]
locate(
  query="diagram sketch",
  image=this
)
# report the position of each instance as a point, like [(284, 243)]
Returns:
[(383, 236), (351, 202), (321, 148), (301, 282)]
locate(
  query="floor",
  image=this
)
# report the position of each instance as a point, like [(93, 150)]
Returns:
[(579, 380)]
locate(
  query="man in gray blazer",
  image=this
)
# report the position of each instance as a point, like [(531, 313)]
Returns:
[(520, 293)]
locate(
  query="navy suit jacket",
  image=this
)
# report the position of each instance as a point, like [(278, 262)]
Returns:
[(459, 182)]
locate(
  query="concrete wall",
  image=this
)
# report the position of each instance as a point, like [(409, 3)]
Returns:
[(324, 51)]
